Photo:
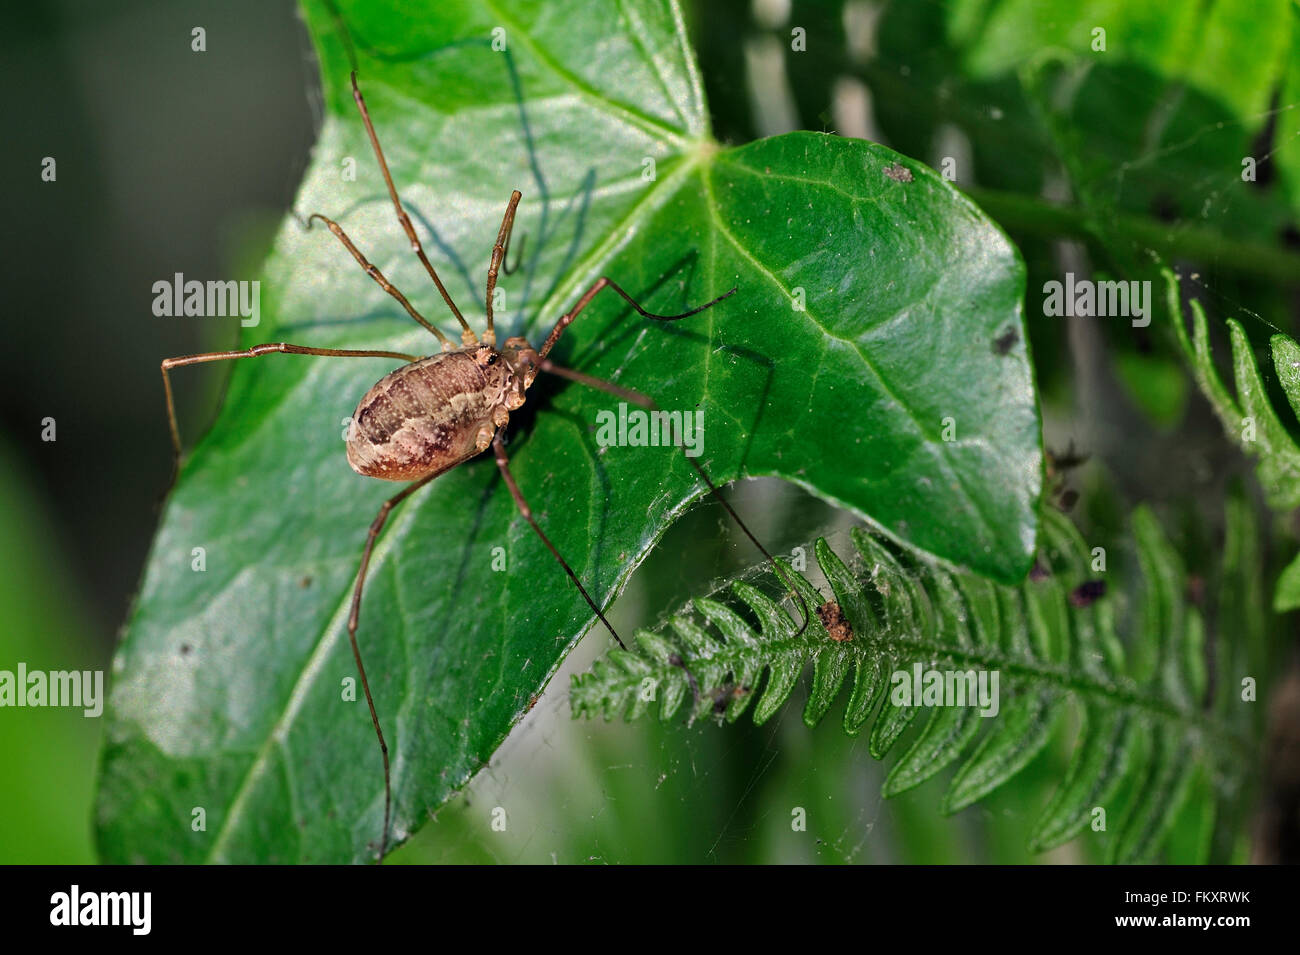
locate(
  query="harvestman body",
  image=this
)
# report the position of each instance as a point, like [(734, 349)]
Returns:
[(436, 412)]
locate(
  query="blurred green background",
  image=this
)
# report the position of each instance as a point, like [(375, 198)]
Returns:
[(168, 161), (171, 161)]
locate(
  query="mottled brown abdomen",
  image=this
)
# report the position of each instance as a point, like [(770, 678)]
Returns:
[(424, 417)]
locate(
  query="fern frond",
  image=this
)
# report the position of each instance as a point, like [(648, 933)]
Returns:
[(1250, 419), (1152, 734)]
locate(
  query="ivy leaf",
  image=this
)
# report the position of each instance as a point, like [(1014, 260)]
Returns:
[(874, 353)]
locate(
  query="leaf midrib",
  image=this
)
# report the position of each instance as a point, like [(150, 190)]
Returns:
[(883, 645), (927, 441)]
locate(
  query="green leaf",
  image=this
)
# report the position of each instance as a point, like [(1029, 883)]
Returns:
[(1157, 383), (1026, 724), (1286, 362), (1101, 761), (1190, 840), (1165, 789), (1287, 595), (947, 733), (1154, 127), (1288, 122), (950, 729), (1234, 51), (870, 297)]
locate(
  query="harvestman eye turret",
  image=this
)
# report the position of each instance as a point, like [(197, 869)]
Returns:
[(436, 412)]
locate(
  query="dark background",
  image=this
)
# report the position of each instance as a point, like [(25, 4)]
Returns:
[(168, 161)]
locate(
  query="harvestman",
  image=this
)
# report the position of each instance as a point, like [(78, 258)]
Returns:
[(436, 412)]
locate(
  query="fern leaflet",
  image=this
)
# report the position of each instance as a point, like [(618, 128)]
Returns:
[(1250, 418)]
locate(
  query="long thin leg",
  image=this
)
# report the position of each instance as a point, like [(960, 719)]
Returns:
[(467, 336), (354, 616), (604, 282), (645, 401), (499, 449), (498, 253), (378, 276), (271, 347), (506, 267)]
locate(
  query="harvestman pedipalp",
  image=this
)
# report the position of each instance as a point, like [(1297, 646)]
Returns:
[(409, 428)]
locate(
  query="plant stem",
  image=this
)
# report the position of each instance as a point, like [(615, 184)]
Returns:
[(1019, 213)]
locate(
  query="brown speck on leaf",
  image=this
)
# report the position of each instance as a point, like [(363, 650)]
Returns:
[(723, 695), (305, 583), (832, 619), (532, 701), (1039, 572), (1087, 593), (1006, 341), (185, 649), (898, 173), (1196, 590)]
